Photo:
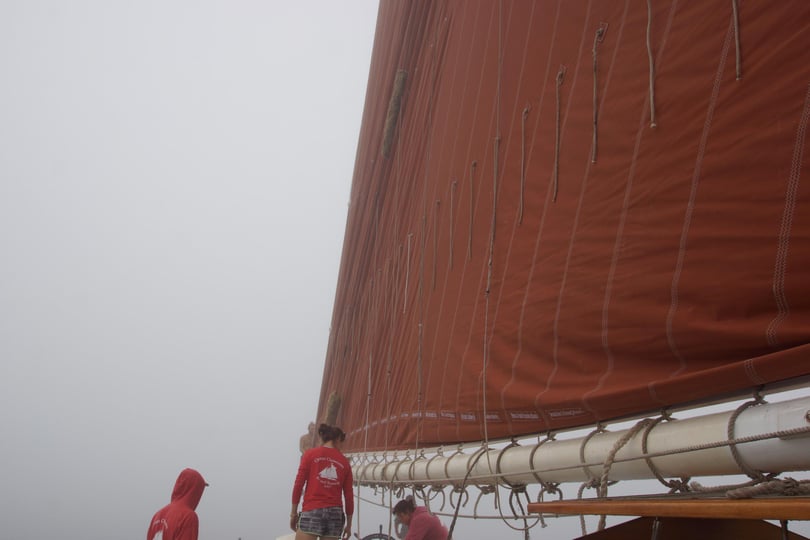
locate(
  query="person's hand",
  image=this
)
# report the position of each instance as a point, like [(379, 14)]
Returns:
[(347, 532), (294, 522)]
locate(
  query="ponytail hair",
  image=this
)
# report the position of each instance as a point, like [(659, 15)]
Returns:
[(331, 433)]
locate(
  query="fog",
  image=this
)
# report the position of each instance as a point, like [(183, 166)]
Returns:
[(174, 180)]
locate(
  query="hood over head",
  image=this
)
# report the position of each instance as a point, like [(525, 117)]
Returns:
[(189, 488)]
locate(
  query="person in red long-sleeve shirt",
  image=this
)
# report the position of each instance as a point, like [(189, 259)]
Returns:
[(327, 475), (422, 525), (178, 519)]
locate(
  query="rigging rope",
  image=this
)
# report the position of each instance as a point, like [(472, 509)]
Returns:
[(674, 486), (652, 65), (736, 14), (472, 192), (522, 161), (453, 188), (597, 39), (560, 76)]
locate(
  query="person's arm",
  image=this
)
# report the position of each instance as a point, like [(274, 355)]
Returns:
[(294, 517), (347, 530), (348, 498), (298, 489)]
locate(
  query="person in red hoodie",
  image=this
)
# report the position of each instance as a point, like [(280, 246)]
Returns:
[(422, 525), (327, 475), (178, 519)]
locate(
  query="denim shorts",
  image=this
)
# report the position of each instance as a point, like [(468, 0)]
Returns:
[(327, 522)]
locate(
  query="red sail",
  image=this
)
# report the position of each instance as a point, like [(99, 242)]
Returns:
[(570, 211)]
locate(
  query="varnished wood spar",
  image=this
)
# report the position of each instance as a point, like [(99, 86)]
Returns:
[(693, 529), (777, 508)]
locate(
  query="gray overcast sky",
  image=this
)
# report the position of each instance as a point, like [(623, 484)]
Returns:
[(174, 180)]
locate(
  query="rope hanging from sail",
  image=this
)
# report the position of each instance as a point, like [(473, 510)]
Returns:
[(597, 39), (736, 15), (652, 64), (556, 174), (526, 110), (472, 205), (453, 187)]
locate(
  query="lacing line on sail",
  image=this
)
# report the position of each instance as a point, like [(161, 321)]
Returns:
[(545, 487), (609, 460), (652, 65), (752, 473), (592, 481), (674, 486), (516, 489), (433, 493), (471, 465), (427, 465), (487, 489), (482, 490), (780, 434), (396, 486), (756, 476)]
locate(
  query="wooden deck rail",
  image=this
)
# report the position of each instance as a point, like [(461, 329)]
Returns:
[(782, 508)]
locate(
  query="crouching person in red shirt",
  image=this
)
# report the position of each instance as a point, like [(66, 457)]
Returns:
[(422, 525)]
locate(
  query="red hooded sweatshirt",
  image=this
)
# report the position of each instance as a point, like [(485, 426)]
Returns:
[(178, 520)]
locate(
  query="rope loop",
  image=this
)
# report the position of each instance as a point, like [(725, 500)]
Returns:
[(752, 473), (447, 461), (435, 492), (427, 466), (499, 477), (676, 485), (483, 490), (463, 494), (600, 428), (514, 497), (549, 487)]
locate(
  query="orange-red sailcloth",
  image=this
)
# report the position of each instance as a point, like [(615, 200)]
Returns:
[(588, 210)]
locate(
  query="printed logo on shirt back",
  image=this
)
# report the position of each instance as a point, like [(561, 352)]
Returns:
[(329, 476), (329, 473)]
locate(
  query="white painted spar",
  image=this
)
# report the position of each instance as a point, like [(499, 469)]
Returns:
[(690, 447)]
